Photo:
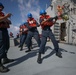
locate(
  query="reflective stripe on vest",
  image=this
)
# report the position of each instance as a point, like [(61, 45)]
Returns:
[(23, 29), (32, 22), (47, 23)]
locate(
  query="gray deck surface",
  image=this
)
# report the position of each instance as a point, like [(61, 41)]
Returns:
[(26, 63)]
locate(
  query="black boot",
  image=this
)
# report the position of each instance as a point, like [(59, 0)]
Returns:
[(31, 47), (6, 60), (21, 49), (2, 68), (28, 50), (58, 54), (19, 46), (39, 60)]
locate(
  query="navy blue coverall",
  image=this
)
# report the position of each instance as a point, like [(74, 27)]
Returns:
[(23, 38), (47, 32), (4, 42), (32, 32)]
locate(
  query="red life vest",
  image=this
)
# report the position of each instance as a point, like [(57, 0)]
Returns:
[(11, 34), (3, 24), (32, 22), (20, 30), (47, 23), (24, 29)]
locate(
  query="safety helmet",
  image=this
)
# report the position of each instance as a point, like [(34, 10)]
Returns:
[(1, 5), (42, 12), (24, 23), (29, 15)]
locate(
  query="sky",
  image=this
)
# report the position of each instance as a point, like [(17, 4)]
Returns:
[(20, 9)]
